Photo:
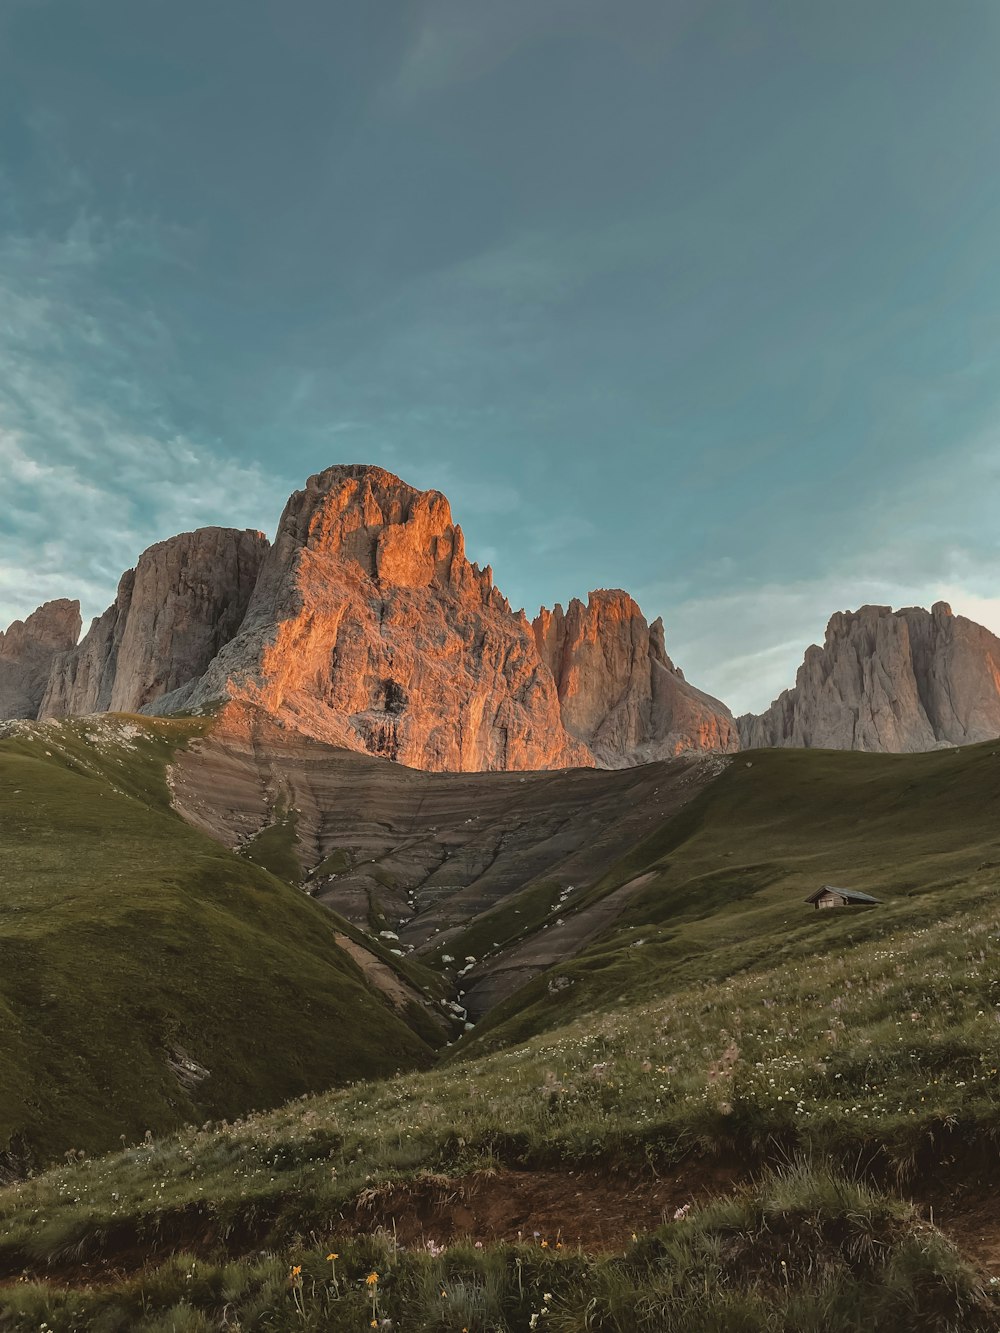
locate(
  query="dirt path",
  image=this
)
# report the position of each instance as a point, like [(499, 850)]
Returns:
[(972, 1221), (596, 1210)]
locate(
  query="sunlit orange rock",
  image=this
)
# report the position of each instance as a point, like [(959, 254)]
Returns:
[(365, 625), (619, 692), (369, 628)]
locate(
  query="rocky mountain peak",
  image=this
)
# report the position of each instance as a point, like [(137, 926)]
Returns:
[(370, 628), (618, 690), (885, 680), (27, 651), (185, 598), (366, 625)]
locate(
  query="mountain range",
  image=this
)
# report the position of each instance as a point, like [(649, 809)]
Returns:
[(365, 626)]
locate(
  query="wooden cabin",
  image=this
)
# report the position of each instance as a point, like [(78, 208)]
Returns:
[(828, 896)]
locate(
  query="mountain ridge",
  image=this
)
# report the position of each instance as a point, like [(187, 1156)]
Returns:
[(365, 625), (901, 681)]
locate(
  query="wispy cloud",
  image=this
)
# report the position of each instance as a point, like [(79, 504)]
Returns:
[(91, 468), (462, 39), (745, 647)]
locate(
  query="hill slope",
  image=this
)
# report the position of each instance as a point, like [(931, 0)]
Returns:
[(719, 1028), (148, 976), (719, 888)]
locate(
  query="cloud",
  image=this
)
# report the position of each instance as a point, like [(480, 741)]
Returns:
[(745, 647), (91, 468), (463, 39)]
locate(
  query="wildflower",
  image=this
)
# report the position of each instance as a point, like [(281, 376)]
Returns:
[(331, 1257), (371, 1282), (296, 1270)]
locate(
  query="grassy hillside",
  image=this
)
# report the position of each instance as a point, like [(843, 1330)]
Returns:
[(876, 1069), (727, 877), (821, 1088), (149, 977)]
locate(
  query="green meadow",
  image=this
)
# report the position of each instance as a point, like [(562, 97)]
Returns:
[(811, 1099)]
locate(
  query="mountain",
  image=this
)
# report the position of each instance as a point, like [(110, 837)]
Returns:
[(893, 681), (27, 651), (366, 626), (369, 628), (619, 692), (185, 598)]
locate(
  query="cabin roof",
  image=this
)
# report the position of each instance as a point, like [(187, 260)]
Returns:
[(849, 895)]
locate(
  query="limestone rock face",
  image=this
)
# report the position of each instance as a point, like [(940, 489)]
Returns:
[(889, 681), (27, 651), (369, 628), (619, 692), (183, 601)]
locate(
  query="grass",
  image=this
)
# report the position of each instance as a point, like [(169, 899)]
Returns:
[(728, 874), (149, 977), (276, 847), (886, 1056), (719, 1019), (803, 1250), (337, 863), (519, 915)]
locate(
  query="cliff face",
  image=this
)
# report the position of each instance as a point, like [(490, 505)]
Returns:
[(619, 692), (27, 651), (185, 598), (370, 628), (366, 626), (892, 681)]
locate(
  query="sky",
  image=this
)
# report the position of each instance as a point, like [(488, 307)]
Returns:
[(701, 300)]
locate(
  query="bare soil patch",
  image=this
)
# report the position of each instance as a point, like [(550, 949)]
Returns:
[(595, 1210)]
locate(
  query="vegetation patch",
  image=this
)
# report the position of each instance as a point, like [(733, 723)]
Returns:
[(127, 936), (801, 1251)]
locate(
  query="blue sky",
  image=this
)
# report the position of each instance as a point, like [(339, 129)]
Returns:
[(697, 299)]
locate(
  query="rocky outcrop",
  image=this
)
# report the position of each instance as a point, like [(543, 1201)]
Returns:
[(370, 628), (898, 681), (184, 600), (619, 692), (27, 651), (366, 626)]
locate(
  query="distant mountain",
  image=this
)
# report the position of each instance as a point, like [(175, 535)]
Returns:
[(27, 651), (185, 598), (619, 692), (893, 681), (366, 626)]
